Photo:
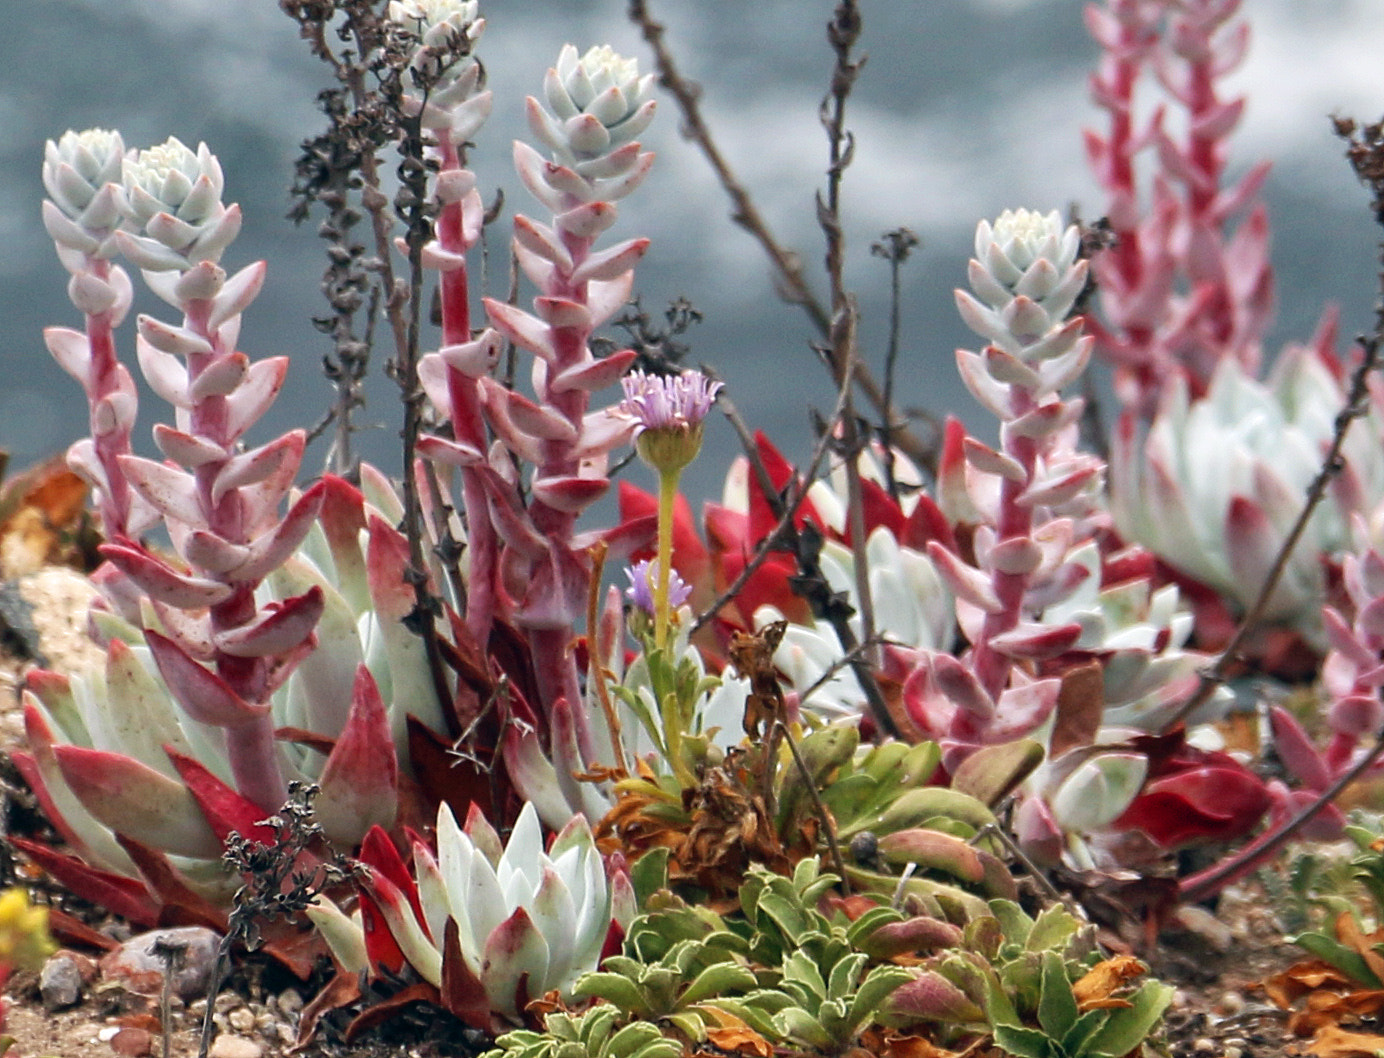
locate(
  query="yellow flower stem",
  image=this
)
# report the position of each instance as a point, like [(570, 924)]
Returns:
[(667, 493)]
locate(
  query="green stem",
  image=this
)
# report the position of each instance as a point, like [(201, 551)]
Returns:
[(667, 493)]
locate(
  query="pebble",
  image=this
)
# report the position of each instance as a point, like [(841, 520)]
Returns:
[(133, 1043), (241, 1020), (1204, 1045), (61, 979), (1230, 1004), (225, 1046), (135, 964), (290, 1002)]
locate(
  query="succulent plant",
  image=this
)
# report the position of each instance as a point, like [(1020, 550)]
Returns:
[(594, 1033), (512, 920)]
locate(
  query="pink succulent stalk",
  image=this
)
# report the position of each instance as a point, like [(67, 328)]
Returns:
[(220, 653), (82, 175), (1180, 289), (1026, 277), (453, 109), (597, 106)]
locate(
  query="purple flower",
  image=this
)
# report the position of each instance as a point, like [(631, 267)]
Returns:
[(668, 411), (668, 402), (643, 576)]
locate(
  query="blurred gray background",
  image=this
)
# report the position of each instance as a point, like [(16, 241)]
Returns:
[(966, 107)]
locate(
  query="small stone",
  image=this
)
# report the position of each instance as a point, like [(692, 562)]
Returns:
[(1230, 1004), (107, 1034), (241, 1020), (290, 1002), (1232, 1051), (61, 979), (133, 1043), (137, 966), (226, 1046), (227, 1001), (197, 1008), (266, 1021), (1204, 1045)]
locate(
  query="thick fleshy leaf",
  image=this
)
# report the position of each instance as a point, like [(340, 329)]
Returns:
[(185, 448), (1099, 790), (360, 779), (139, 717), (526, 331), (224, 809), (172, 492), (514, 961), (611, 263), (404, 926), (71, 349), (167, 338), (253, 397), (277, 629), (202, 693), (237, 293), (132, 798), (965, 581), (273, 548), (281, 455), (116, 893), (1036, 642), (220, 378), (161, 581)]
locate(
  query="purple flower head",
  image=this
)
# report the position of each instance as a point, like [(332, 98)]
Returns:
[(668, 411), (668, 402), (643, 576)]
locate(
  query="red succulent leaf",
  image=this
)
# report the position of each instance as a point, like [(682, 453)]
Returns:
[(126, 897), (1213, 802), (181, 905), (927, 523), (690, 556), (360, 781), (463, 995), (224, 808), (879, 508), (378, 851), (381, 949)]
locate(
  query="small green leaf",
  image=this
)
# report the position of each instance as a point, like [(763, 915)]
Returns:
[(649, 874), (1057, 1011), (1077, 1038), (1053, 927), (1349, 961), (879, 985), (717, 980), (1126, 1029), (613, 988), (632, 1038), (798, 1025), (1025, 1043), (1014, 922)]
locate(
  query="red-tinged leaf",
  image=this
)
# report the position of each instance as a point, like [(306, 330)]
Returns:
[(341, 991), (182, 906), (342, 518), (611, 263), (205, 696), (115, 893), (253, 397), (280, 456), (1218, 803), (524, 330), (359, 782), (225, 810), (72, 932), (379, 852), (463, 995), (514, 956), (237, 293), (161, 580), (381, 949), (272, 549), (222, 377), (172, 492), (1296, 751), (966, 582), (569, 494), (961, 687), (386, 559), (542, 240), (186, 449), (451, 453), (1035, 642), (132, 798), (925, 525), (1252, 543), (880, 509), (781, 475), (279, 629), (591, 375), (766, 586), (379, 1013)]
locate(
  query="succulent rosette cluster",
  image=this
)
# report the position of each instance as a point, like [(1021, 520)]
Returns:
[(275, 609), (1216, 482), (443, 78), (523, 920)]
